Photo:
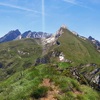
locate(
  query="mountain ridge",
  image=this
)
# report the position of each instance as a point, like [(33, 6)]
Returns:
[(11, 35), (17, 35), (61, 66)]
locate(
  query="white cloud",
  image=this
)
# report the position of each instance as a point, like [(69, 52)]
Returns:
[(20, 8)]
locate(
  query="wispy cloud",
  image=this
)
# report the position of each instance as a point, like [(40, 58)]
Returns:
[(20, 8), (77, 3), (71, 1)]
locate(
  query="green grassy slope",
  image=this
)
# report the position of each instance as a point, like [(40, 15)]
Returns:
[(18, 55), (25, 85), (76, 49)]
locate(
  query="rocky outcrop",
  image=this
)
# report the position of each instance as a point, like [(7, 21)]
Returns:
[(88, 74), (95, 42), (29, 34), (42, 60), (46, 58)]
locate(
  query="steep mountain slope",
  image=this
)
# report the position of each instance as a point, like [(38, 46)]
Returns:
[(74, 48), (18, 55)]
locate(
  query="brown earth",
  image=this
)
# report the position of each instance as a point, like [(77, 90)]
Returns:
[(53, 91)]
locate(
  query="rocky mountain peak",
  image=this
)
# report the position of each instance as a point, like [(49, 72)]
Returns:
[(11, 35), (13, 32), (26, 34), (91, 38), (16, 35), (95, 42), (64, 26)]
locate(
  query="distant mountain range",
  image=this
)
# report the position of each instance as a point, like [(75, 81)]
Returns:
[(10, 36), (16, 35)]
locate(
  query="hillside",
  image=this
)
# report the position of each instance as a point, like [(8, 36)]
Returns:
[(61, 67), (78, 53), (76, 49), (45, 82), (18, 55)]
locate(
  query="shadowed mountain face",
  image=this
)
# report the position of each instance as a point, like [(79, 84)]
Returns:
[(10, 36), (64, 64)]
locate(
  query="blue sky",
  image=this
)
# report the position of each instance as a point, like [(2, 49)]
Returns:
[(82, 16)]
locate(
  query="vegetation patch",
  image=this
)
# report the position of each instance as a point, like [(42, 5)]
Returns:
[(39, 92), (64, 65)]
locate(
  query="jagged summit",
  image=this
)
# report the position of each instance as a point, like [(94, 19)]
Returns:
[(45, 37), (10, 36), (64, 26), (95, 42)]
